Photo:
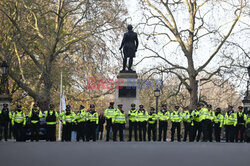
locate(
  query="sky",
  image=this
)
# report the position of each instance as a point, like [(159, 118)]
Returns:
[(204, 50)]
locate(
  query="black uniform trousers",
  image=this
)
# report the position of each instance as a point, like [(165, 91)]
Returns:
[(91, 131), (67, 131), (35, 128), (176, 125), (142, 130), (196, 131), (217, 132), (108, 128), (51, 132), (210, 130), (230, 133), (163, 126), (240, 128), (207, 130), (81, 131), (132, 125), (152, 129), (4, 128), (19, 132), (118, 127), (187, 128)]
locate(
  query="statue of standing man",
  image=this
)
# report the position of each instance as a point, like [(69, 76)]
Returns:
[(129, 45)]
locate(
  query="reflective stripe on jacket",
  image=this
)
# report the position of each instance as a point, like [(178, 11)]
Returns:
[(152, 118), (230, 119), (163, 115), (176, 116), (81, 116), (218, 119), (109, 113), (119, 117), (93, 117), (132, 114), (18, 117), (142, 116)]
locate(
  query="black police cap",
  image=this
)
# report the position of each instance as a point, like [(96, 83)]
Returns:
[(92, 106), (18, 106), (133, 105), (164, 105), (120, 105), (51, 106), (230, 106), (152, 108), (240, 107), (186, 108), (68, 106), (111, 103), (5, 105), (141, 106), (35, 105), (82, 107), (198, 105), (209, 106), (218, 109), (176, 107)]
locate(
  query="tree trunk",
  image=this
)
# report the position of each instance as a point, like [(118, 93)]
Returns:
[(193, 92)]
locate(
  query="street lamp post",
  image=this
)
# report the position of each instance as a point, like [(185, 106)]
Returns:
[(157, 95), (246, 101)]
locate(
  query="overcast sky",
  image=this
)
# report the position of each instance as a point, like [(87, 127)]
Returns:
[(205, 49)]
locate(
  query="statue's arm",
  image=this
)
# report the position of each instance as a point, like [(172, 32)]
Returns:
[(123, 41)]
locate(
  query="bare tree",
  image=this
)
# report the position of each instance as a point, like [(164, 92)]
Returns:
[(184, 26)]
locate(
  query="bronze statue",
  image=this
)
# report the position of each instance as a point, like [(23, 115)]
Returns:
[(129, 45)]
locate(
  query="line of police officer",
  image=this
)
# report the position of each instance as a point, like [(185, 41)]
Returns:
[(199, 121)]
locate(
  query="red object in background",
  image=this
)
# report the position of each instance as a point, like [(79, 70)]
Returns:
[(239, 135)]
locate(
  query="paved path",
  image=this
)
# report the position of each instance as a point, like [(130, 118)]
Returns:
[(124, 154)]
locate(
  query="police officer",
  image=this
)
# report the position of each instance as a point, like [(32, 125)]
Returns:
[(187, 123), (81, 120), (68, 120), (142, 118), (217, 124), (92, 123), (209, 119), (204, 122), (152, 118), (5, 115), (230, 124), (63, 126), (164, 116), (196, 123), (240, 127), (176, 118), (132, 114), (119, 122), (109, 114), (51, 117), (19, 121), (35, 115)]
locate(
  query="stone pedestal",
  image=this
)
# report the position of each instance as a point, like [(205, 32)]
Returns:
[(5, 99), (127, 91), (246, 102)]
